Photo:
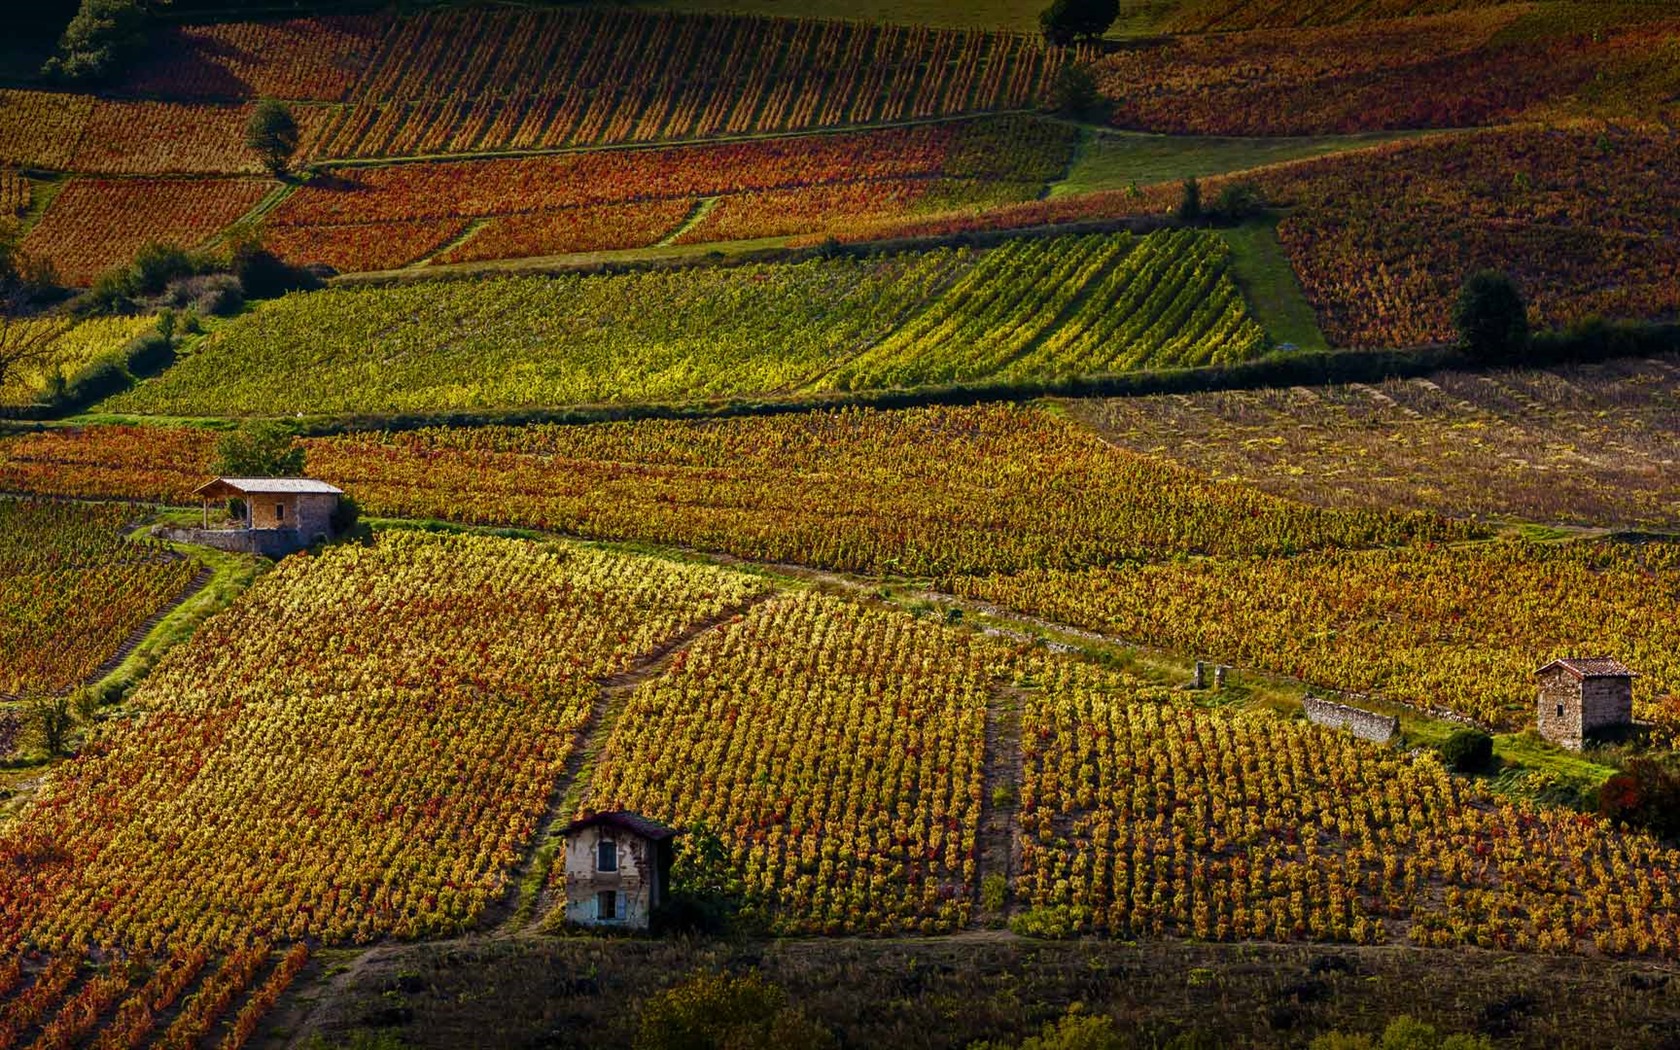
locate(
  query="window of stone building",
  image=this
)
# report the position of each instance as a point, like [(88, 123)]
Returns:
[(279, 512), (606, 904), (606, 855), (1560, 711)]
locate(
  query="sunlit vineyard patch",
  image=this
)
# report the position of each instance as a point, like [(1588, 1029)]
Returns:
[(1025, 311), (1071, 306), (613, 199), (837, 750), (374, 769), (649, 336), (1145, 816), (607, 227), (96, 224), (603, 76), (72, 590), (40, 129), (1457, 628), (1582, 445), (922, 492), (54, 350)]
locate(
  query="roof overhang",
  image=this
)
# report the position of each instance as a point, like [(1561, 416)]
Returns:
[(230, 488), (1593, 667)]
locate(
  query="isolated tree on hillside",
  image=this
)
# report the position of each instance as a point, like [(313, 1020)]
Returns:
[(1074, 93), (1190, 203), (1491, 318), (1065, 21), (261, 448), (102, 35), (272, 133)]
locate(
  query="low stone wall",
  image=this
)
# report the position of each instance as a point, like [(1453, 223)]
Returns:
[(1366, 725), (270, 543)]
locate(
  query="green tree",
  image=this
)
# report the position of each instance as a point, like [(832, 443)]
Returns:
[(715, 1011), (1491, 318), (53, 721), (272, 133), (1074, 93), (261, 448), (1190, 205), (101, 37), (1065, 21)]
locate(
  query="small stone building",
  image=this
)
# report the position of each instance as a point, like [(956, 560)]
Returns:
[(281, 515), (1583, 697), (617, 866)]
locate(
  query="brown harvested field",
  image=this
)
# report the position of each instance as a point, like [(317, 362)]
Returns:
[(1593, 445)]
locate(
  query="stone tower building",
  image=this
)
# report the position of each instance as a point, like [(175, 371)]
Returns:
[(1580, 697)]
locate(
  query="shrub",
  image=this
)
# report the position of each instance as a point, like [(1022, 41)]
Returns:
[(1238, 201), (346, 515), (53, 722), (1646, 794), (263, 275), (1051, 923), (715, 1011), (1467, 751), (214, 295), (150, 354), (1491, 318), (705, 894)]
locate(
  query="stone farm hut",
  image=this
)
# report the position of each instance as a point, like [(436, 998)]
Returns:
[(617, 867), (281, 515), (1581, 697)]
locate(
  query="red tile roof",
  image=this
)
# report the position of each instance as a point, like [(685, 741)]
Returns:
[(1591, 667), (624, 820)]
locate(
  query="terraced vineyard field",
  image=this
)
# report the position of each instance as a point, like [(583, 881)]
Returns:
[(673, 335), (1144, 816), (96, 224), (362, 218), (650, 76), (58, 349), (1026, 311), (1474, 67), (1071, 306), (1589, 445), (73, 590), (926, 492), (443, 681), (1452, 628), (843, 753), (1584, 218)]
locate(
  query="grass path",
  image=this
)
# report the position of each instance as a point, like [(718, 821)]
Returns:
[(1118, 160), (1268, 282)]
